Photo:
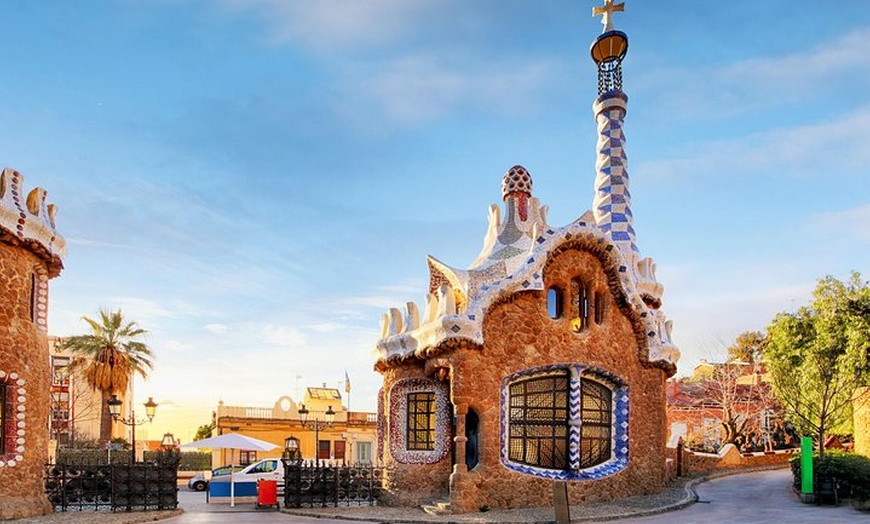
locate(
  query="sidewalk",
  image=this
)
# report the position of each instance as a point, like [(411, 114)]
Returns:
[(745, 497), (678, 495)]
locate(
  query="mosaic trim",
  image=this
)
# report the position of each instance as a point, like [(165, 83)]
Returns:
[(436, 336), (612, 203), (16, 399), (619, 429), (399, 421), (30, 219), (40, 300)]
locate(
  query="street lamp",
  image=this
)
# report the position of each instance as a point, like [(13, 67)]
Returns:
[(115, 409), (291, 449), (330, 418), (168, 442)]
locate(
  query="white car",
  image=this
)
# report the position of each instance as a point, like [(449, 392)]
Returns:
[(267, 469), (246, 480)]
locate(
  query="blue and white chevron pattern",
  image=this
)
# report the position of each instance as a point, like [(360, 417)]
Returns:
[(575, 406), (612, 203)]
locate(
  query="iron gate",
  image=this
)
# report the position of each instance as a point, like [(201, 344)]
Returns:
[(134, 486), (308, 484)]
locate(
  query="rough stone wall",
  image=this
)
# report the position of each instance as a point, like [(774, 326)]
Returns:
[(410, 484), (520, 335), (731, 458), (24, 352), (861, 420)]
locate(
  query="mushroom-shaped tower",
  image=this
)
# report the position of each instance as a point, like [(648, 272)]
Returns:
[(31, 253)]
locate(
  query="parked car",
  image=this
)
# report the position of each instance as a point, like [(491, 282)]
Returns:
[(266, 469), (199, 482)]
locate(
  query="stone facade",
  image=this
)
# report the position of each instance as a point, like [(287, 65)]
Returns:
[(519, 335), (350, 438), (29, 256)]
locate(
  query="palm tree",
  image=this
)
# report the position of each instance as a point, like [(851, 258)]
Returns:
[(108, 357)]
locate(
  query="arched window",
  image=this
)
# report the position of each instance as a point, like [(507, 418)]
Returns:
[(599, 307), (554, 302), (579, 305), (559, 422), (420, 428), (539, 421)]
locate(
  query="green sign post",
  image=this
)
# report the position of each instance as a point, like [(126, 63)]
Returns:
[(807, 470)]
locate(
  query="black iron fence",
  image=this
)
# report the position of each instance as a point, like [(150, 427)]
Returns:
[(307, 484), (133, 486)]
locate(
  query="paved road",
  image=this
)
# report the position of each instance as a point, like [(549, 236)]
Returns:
[(763, 497)]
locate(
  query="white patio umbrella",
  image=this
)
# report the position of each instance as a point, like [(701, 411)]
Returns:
[(232, 442)]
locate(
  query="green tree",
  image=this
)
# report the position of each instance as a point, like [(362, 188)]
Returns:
[(109, 356), (748, 347), (819, 355), (203, 431)]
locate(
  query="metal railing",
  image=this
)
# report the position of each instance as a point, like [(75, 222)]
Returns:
[(307, 484), (133, 486)]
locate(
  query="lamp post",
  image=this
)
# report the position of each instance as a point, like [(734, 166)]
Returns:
[(291, 449), (115, 409), (168, 442), (330, 418)]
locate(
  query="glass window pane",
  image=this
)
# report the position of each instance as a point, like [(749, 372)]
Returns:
[(595, 431), (420, 426), (538, 421)]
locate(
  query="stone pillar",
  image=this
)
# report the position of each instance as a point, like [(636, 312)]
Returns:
[(459, 439), (30, 254)]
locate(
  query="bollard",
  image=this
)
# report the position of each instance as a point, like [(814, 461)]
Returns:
[(807, 495), (560, 502)]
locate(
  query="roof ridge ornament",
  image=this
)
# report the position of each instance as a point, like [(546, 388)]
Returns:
[(606, 13)]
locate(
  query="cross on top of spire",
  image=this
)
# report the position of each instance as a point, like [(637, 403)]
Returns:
[(606, 13)]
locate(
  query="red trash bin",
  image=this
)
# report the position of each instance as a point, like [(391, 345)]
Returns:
[(267, 493)]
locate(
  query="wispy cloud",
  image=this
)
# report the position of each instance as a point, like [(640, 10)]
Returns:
[(338, 24), (175, 345), (748, 85), (141, 310), (854, 222), (217, 329), (327, 327), (822, 147), (283, 336), (420, 88)]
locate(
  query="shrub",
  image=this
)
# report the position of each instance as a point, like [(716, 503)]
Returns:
[(851, 471)]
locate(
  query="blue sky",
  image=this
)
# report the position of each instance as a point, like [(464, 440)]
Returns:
[(256, 181)]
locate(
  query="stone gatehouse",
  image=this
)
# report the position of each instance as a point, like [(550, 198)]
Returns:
[(546, 359)]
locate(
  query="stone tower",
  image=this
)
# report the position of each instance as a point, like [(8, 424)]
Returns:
[(543, 360), (31, 253)]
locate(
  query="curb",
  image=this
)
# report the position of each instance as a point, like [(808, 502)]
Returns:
[(690, 497)]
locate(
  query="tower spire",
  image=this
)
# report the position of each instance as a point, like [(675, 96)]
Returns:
[(612, 204)]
